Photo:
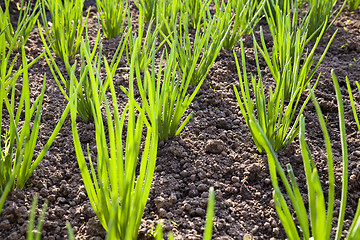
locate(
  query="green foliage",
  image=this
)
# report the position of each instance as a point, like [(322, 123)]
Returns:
[(164, 94), (84, 95), (113, 184), (112, 15), (275, 116), (148, 7), (196, 57), (19, 140), (353, 5), (7, 80), (6, 66), (22, 141), (320, 12), (320, 217), (144, 47), (31, 232), (240, 16), (290, 63), (352, 100), (9, 41), (67, 26), (70, 231), (196, 11), (166, 16), (112, 229), (26, 21), (209, 215)]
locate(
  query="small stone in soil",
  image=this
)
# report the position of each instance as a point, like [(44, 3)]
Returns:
[(235, 179), (200, 212), (214, 146)]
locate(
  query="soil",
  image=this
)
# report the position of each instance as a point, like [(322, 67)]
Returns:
[(214, 150)]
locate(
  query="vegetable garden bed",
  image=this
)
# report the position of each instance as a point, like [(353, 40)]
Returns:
[(215, 148)]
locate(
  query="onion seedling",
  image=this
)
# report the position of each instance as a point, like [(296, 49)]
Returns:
[(8, 80), (31, 232), (118, 178), (196, 57), (112, 15), (289, 62), (275, 115), (7, 75), (164, 94), (320, 213), (67, 26), (19, 142), (240, 16), (149, 8), (26, 21), (320, 12), (166, 16), (170, 98), (6, 66), (353, 5), (196, 11), (144, 47), (85, 91), (352, 101)]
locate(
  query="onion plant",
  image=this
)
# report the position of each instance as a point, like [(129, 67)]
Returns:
[(320, 12), (196, 11), (238, 15), (144, 46), (196, 57), (26, 21), (7, 189), (112, 15), (19, 140), (85, 90), (277, 117), (149, 8), (320, 213), (166, 16), (352, 100), (7, 46), (12, 136), (289, 62), (31, 232), (6, 66), (116, 178), (164, 94), (353, 5), (66, 27), (7, 79)]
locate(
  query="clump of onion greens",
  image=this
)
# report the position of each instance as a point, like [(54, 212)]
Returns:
[(25, 24), (317, 223), (278, 118), (116, 179), (112, 15), (66, 27)]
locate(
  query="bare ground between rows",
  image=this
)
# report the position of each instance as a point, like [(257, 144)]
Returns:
[(214, 150)]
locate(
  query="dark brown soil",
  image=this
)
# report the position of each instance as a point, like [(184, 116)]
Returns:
[(214, 150)]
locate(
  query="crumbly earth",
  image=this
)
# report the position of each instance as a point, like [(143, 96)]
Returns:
[(214, 150)]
